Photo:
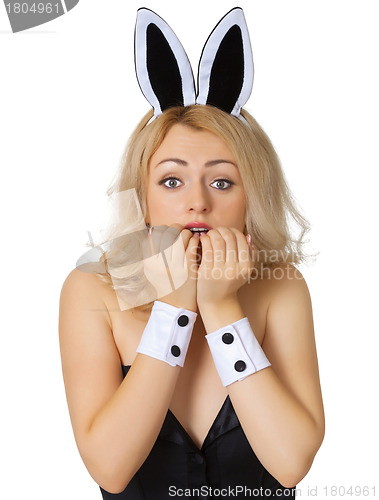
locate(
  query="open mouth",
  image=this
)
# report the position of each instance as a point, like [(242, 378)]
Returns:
[(200, 230)]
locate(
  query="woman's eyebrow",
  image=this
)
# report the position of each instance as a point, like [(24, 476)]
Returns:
[(210, 163)]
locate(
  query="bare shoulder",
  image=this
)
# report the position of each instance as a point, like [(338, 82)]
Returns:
[(84, 310), (90, 359), (289, 305), (289, 295), (283, 280), (84, 318), (87, 285), (289, 341), (282, 287)]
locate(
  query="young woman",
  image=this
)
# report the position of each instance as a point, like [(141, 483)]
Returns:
[(213, 388)]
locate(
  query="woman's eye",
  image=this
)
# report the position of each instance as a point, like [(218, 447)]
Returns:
[(170, 182), (174, 182), (222, 184)]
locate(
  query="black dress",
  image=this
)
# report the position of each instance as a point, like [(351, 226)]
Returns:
[(224, 467)]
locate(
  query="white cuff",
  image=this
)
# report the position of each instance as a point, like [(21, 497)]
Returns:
[(168, 333), (236, 352)]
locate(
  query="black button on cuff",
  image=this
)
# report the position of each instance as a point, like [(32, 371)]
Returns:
[(240, 366), (175, 351), (183, 320), (227, 338)]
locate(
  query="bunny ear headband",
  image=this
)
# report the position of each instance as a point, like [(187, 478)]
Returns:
[(164, 73)]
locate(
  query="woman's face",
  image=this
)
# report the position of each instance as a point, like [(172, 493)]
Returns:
[(193, 177)]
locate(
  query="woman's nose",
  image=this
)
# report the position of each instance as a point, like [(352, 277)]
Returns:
[(198, 199)]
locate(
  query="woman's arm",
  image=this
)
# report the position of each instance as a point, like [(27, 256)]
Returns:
[(280, 408), (115, 421)]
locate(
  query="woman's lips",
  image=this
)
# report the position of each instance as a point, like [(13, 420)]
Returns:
[(198, 227)]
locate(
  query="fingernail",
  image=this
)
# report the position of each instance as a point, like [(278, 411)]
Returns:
[(249, 239)]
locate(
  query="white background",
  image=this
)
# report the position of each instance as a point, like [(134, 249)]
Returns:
[(69, 100)]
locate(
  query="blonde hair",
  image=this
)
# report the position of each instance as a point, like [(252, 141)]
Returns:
[(271, 213)]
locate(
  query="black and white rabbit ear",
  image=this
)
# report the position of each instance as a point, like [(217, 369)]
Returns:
[(164, 72), (226, 69)]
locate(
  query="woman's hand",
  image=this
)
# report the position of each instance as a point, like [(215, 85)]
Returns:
[(170, 265), (227, 261)]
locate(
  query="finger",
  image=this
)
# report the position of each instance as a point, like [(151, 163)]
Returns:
[(230, 243), (252, 249), (244, 249), (218, 246), (207, 251), (186, 235), (193, 252), (179, 247), (183, 262), (170, 234)]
